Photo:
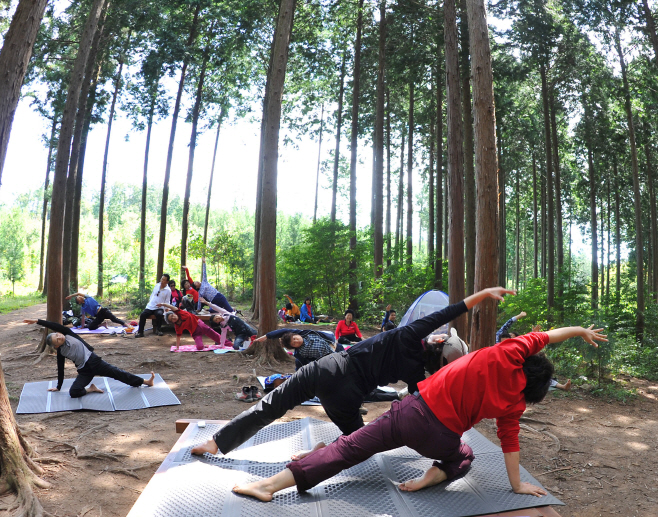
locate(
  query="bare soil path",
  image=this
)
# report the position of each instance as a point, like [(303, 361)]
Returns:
[(600, 457)]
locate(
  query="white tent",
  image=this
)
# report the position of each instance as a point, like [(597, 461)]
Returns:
[(426, 303)]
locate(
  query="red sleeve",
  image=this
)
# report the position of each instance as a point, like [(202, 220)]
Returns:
[(520, 347), (508, 432), (189, 278), (195, 293), (339, 329), (358, 332)]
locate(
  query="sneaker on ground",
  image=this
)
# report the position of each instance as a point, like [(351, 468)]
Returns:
[(245, 394), (255, 395), (139, 334)]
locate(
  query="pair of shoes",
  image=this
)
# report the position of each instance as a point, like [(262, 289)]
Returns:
[(139, 334), (363, 411), (249, 394), (159, 332)]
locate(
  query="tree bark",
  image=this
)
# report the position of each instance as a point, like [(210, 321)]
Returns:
[(550, 224), (455, 192), (353, 285), (339, 124), (617, 233), (502, 227), (55, 234), (593, 228), (170, 149), (535, 218), (142, 224), (14, 58), (212, 173), (654, 219), (101, 209), (388, 178), (483, 329), (379, 146), (410, 163), (558, 200), (542, 186), (430, 182), (398, 218), (190, 161), (639, 322), (609, 227), (317, 174), (517, 269), (267, 262), (44, 212), (438, 260)]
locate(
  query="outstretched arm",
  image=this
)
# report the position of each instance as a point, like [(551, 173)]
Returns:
[(514, 475), (496, 293), (189, 277), (72, 295), (590, 335), (55, 327), (204, 275), (168, 306)]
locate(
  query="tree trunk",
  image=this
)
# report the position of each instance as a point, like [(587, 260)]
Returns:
[(339, 124), (535, 218), (379, 146), (388, 178), (354, 140), (170, 149), (484, 326), (602, 247), (212, 173), (593, 228), (14, 58), (517, 270), (542, 186), (445, 206), (430, 182), (502, 227), (410, 163), (639, 322), (44, 212), (607, 284), (455, 192), (101, 209), (558, 200), (651, 28), (550, 225), (469, 169), (267, 263), (438, 261), (55, 234), (142, 225), (317, 174), (190, 161), (617, 234), (398, 218), (654, 218)]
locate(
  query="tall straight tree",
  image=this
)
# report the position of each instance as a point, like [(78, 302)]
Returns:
[(398, 218), (558, 197), (51, 143), (220, 119), (430, 181), (410, 166), (339, 124), (170, 149), (592, 207), (142, 221), (379, 146), (535, 222), (317, 173), (14, 58), (502, 235), (550, 223), (438, 261), (55, 234), (483, 328), (388, 177), (455, 191), (354, 141)]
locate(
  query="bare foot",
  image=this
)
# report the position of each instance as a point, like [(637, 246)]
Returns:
[(257, 489), (302, 454), (567, 385), (94, 389), (433, 476), (210, 447), (149, 382)]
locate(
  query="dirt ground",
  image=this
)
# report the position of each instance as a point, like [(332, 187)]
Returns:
[(597, 456)]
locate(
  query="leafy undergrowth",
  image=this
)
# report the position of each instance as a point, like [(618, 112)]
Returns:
[(11, 303)]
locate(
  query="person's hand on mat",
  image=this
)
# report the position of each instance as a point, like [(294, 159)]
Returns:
[(529, 488), (591, 334), (30, 322), (53, 389)]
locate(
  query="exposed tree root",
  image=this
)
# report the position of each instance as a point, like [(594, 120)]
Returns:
[(129, 471), (103, 456), (48, 460), (267, 353), (90, 430)]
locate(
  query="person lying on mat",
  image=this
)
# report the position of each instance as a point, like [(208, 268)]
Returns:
[(306, 314), (226, 321), (89, 365), (89, 306), (183, 320), (493, 382), (307, 345), (342, 381), (206, 290), (347, 331)]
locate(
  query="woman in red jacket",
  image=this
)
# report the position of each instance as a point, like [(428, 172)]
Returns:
[(501, 380), (347, 331)]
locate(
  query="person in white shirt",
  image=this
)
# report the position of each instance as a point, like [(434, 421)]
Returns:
[(161, 294)]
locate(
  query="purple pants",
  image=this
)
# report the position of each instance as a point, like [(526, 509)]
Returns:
[(409, 422), (204, 330)]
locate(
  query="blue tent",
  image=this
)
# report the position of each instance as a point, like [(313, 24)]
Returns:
[(426, 303)]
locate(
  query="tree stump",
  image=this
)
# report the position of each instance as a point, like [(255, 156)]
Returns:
[(268, 352)]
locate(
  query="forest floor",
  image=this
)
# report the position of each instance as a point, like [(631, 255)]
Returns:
[(599, 456)]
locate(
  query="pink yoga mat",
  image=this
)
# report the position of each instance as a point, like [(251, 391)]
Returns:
[(208, 348)]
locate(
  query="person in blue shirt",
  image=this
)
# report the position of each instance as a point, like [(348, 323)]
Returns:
[(306, 314), (388, 323), (90, 307), (504, 332)]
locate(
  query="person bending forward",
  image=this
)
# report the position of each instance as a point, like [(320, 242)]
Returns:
[(89, 365), (500, 380)]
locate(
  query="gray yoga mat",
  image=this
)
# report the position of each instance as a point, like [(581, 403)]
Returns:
[(35, 397), (193, 486)]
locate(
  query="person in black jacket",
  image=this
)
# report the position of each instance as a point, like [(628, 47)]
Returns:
[(70, 346), (342, 380)]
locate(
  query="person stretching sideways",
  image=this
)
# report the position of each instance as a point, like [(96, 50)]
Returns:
[(307, 345), (226, 321), (341, 381), (347, 331), (90, 306), (503, 332), (183, 320), (493, 382), (89, 365), (206, 290)]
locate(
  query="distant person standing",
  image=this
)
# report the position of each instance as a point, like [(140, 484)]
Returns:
[(161, 294), (89, 306), (206, 290)]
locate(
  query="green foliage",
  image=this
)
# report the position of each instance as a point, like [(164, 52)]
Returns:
[(12, 246), (12, 303)]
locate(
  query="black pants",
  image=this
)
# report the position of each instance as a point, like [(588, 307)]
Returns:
[(348, 339), (95, 366), (102, 315), (157, 322), (332, 379)]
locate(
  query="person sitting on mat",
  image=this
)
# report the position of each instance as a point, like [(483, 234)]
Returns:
[(503, 332), (343, 380), (70, 346), (306, 314), (206, 290), (89, 306), (388, 323), (347, 331), (432, 422), (292, 310), (161, 294), (307, 345), (183, 320), (226, 320)]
